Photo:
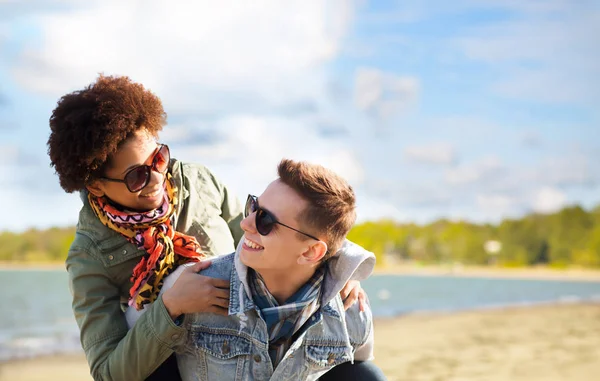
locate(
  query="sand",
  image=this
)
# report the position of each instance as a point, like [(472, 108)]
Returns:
[(555, 342), (549, 343)]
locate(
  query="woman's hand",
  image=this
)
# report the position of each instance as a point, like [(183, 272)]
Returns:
[(197, 293), (351, 292)]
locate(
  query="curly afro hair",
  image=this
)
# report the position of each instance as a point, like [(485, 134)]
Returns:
[(87, 127)]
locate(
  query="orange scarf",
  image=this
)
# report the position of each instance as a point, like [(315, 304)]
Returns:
[(153, 232)]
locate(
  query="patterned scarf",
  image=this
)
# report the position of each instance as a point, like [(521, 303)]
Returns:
[(283, 321), (153, 232)]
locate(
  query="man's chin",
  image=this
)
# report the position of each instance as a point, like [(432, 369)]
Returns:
[(244, 258)]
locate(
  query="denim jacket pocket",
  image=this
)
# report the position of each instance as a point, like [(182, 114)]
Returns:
[(222, 356), (326, 356)]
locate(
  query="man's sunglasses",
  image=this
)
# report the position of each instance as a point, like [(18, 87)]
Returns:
[(265, 220), (137, 178)]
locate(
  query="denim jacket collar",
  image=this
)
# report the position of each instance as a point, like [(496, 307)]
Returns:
[(240, 296)]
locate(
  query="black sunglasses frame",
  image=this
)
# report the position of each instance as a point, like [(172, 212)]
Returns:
[(260, 212), (147, 169)]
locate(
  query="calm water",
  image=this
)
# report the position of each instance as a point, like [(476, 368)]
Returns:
[(36, 318)]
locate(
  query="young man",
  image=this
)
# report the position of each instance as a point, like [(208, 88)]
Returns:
[(286, 319)]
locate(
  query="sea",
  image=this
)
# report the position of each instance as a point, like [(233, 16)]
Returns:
[(36, 317)]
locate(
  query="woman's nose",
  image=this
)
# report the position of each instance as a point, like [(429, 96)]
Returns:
[(156, 178)]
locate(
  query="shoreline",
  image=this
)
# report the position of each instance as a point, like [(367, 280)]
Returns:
[(548, 342), (535, 273), (20, 266)]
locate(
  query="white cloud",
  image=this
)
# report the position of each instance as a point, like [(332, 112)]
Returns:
[(373, 209), (8, 154), (496, 204), (572, 169), (187, 51), (384, 94), (235, 62), (250, 147), (548, 200), (487, 168), (12, 155), (434, 153)]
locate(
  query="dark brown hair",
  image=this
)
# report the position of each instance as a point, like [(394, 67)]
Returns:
[(87, 127), (331, 210)]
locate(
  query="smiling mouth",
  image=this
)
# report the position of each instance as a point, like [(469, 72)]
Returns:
[(153, 194), (252, 245)]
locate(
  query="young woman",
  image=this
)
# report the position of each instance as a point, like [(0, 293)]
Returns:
[(143, 215)]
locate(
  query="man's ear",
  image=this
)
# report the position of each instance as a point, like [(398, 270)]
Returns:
[(313, 254), (95, 188)]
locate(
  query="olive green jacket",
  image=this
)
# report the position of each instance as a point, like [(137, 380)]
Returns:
[(101, 261)]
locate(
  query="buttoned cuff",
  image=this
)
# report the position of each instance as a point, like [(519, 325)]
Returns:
[(170, 333)]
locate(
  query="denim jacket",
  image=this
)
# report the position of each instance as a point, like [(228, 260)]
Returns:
[(235, 347)]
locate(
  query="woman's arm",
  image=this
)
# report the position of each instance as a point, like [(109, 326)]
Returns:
[(113, 352), (232, 210)]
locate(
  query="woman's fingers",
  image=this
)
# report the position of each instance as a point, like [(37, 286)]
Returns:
[(219, 302), (218, 310), (352, 298), (221, 293), (346, 291), (197, 267), (220, 283), (362, 300)]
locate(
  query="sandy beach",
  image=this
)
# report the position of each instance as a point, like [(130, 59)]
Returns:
[(549, 343)]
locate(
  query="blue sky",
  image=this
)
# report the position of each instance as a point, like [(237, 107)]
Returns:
[(475, 110)]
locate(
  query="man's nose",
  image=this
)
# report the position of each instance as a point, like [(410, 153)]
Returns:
[(247, 224)]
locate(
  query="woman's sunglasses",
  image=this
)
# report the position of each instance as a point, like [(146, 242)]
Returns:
[(265, 220), (137, 178)]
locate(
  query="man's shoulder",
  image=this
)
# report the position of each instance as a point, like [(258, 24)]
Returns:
[(220, 267)]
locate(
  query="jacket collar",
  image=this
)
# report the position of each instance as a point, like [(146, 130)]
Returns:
[(240, 299), (240, 294)]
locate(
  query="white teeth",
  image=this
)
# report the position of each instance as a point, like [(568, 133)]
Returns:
[(152, 194), (252, 244)]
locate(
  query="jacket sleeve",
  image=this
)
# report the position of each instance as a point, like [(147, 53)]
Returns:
[(231, 211), (113, 352)]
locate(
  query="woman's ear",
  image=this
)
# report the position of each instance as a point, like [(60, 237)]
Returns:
[(314, 254), (95, 188)]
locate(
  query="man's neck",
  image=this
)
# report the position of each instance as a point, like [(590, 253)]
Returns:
[(283, 284)]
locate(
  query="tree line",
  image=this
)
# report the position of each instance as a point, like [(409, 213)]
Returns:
[(570, 237)]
